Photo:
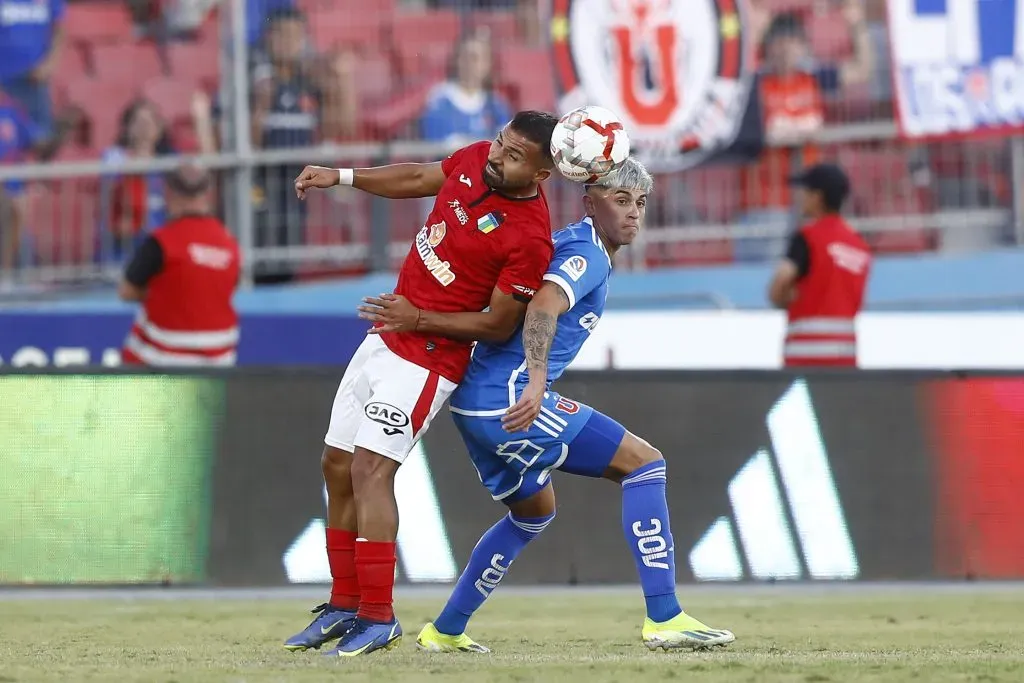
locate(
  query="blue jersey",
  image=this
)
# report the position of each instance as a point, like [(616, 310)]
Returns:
[(580, 267), (18, 135), (26, 34)]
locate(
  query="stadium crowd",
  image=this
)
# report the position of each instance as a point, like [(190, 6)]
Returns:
[(138, 79)]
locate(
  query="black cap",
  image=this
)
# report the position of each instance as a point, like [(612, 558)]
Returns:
[(828, 179)]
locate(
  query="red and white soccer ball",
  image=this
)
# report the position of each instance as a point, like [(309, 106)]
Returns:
[(588, 144)]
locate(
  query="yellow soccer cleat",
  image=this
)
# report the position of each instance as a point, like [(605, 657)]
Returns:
[(683, 631), (432, 640)]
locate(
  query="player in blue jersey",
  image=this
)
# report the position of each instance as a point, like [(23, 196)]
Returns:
[(517, 430)]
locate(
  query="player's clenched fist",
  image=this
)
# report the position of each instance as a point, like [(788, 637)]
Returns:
[(316, 176)]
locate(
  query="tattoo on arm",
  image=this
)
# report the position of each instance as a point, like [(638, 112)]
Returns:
[(538, 332)]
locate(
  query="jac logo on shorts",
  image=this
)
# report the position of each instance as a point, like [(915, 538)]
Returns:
[(393, 419), (574, 267)]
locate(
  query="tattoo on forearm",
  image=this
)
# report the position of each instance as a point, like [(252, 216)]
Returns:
[(538, 331)]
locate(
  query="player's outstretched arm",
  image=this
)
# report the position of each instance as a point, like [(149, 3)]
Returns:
[(396, 181), (538, 333), (395, 313)]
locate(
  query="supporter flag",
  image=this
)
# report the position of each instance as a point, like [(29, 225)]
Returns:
[(679, 73), (958, 67)]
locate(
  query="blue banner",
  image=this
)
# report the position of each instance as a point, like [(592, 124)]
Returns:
[(958, 67), (28, 339)]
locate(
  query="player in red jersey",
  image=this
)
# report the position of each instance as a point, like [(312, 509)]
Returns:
[(485, 245)]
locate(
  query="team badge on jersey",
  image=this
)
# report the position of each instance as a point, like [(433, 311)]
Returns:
[(490, 222), (436, 234), (574, 267)]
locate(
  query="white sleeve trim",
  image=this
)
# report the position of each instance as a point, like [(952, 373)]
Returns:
[(566, 287)]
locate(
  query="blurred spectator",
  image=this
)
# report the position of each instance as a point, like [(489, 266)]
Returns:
[(133, 206), (297, 99), (792, 87), (464, 108), (31, 36), (20, 138), (257, 12)]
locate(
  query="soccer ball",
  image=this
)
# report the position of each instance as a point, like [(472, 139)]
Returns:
[(588, 144)]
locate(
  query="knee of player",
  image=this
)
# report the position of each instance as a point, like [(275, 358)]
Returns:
[(336, 464), (640, 454), (370, 469)]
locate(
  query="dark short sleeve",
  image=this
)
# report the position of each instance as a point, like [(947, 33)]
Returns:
[(799, 253), (147, 262)]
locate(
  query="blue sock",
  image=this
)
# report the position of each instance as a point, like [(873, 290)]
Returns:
[(491, 558), (645, 523)]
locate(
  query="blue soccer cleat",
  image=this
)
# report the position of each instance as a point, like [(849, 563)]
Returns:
[(330, 624), (367, 636)]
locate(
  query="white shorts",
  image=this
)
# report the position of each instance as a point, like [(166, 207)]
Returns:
[(384, 403)]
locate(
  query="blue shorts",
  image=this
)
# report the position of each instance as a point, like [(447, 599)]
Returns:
[(567, 436)]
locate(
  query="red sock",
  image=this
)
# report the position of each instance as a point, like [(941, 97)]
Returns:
[(341, 554), (375, 565)]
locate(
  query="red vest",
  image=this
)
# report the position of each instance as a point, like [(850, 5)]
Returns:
[(821, 320), (187, 318)]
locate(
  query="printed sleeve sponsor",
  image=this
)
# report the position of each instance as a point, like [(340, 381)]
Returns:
[(574, 267)]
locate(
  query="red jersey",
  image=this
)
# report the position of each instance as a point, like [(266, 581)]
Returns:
[(187, 317), (474, 240), (821, 321)]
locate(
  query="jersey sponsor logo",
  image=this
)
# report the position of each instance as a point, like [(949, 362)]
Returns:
[(651, 543), (393, 419), (590, 321), (436, 233), (574, 267), (460, 213), (564, 405), (464, 180), (441, 270), (675, 70), (849, 258), (209, 256), (492, 575), (522, 289)]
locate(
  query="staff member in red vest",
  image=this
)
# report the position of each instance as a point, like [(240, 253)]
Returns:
[(185, 275), (821, 280)]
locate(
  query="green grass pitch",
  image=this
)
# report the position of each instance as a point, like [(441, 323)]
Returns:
[(555, 637)]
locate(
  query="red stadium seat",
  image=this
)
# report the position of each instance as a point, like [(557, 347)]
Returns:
[(93, 22), (133, 64), (529, 71), (411, 30), (337, 26), (103, 102), (386, 120), (171, 96), (72, 66), (195, 63), (503, 27), (425, 62)]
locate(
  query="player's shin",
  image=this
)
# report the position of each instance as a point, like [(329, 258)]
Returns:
[(646, 525), (491, 559)]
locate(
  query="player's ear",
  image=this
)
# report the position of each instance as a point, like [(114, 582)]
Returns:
[(542, 175), (588, 204)]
